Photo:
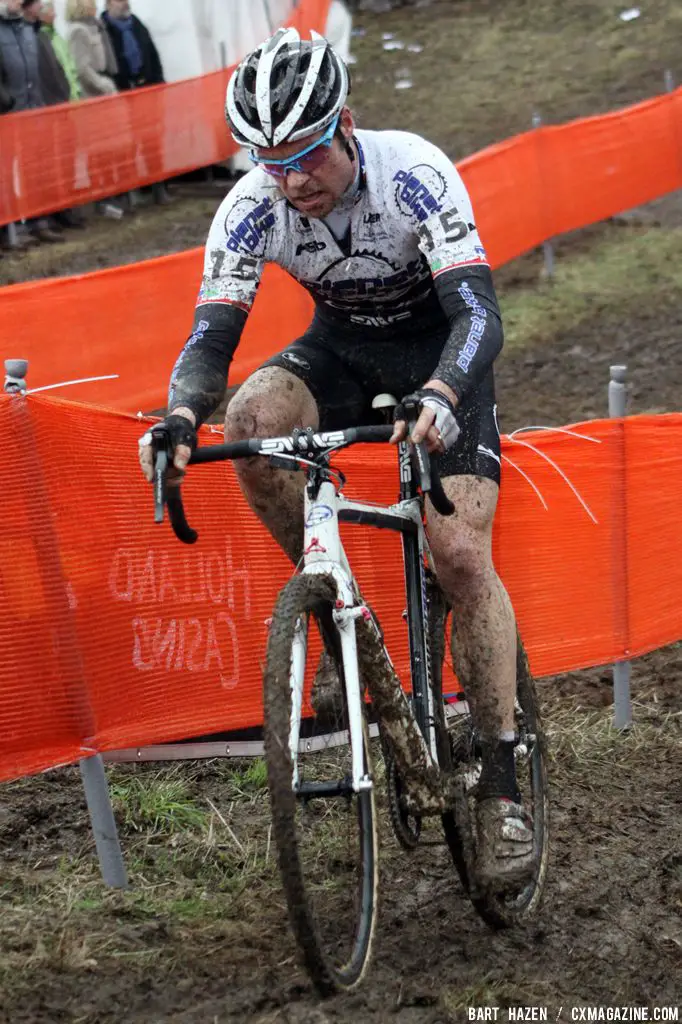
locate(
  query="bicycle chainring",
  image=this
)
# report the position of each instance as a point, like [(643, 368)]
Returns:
[(407, 827)]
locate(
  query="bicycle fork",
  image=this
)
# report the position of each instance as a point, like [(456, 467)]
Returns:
[(345, 623), (324, 553)]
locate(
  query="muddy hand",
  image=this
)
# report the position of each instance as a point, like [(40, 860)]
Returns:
[(183, 440)]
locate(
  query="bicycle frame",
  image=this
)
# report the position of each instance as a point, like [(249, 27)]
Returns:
[(324, 508)]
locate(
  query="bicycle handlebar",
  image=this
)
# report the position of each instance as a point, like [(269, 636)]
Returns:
[(309, 444), (302, 443)]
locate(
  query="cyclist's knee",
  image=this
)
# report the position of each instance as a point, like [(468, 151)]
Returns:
[(464, 566), (270, 403)]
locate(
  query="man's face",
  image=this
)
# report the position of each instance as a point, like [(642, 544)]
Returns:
[(31, 11), (316, 192), (14, 6), (119, 8)]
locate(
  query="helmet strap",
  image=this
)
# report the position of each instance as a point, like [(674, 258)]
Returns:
[(346, 144)]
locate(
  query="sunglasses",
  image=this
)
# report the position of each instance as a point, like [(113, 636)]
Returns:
[(306, 161)]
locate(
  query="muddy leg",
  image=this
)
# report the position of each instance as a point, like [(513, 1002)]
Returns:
[(484, 638), (270, 404)]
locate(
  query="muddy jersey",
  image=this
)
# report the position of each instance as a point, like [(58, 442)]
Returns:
[(410, 221)]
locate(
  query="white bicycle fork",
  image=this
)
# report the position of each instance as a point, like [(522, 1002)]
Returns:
[(324, 553)]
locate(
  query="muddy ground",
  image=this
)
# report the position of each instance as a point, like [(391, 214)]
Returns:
[(202, 937)]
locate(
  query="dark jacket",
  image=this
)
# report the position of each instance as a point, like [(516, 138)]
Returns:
[(6, 97), (19, 70), (53, 82), (152, 70)]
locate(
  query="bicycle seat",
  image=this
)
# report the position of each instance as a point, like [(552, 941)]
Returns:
[(384, 401)]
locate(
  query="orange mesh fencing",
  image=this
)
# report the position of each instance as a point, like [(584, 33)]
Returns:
[(63, 156), (557, 178), (131, 321), (524, 191), (116, 635)]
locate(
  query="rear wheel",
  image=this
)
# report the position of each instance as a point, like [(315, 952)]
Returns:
[(437, 613), (324, 831)]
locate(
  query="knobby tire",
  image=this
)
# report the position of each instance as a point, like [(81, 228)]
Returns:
[(312, 597)]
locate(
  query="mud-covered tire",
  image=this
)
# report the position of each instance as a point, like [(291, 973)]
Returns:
[(304, 597), (437, 612)]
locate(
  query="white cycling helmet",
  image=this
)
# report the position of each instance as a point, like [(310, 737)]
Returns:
[(286, 89)]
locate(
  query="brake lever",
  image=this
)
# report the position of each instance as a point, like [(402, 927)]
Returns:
[(165, 496), (425, 462), (160, 472)]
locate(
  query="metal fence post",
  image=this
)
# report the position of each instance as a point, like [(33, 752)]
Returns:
[(668, 80), (103, 822), (91, 768), (622, 706), (547, 247)]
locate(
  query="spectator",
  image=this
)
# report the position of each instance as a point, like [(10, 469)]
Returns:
[(97, 70), (139, 64), (61, 49), (55, 86), (91, 49), (20, 76), (6, 97), (19, 58), (138, 59)]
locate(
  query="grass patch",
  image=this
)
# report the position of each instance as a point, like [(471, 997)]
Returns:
[(627, 268), (585, 747), (157, 805), (250, 780), (486, 66)]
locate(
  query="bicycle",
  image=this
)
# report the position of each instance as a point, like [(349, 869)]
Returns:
[(319, 766)]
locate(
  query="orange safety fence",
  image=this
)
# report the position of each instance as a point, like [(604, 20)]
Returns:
[(555, 179), (71, 154), (115, 635), (133, 320)]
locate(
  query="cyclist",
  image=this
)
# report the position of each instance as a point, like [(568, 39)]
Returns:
[(379, 228)]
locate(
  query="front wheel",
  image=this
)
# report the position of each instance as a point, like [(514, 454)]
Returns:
[(324, 831)]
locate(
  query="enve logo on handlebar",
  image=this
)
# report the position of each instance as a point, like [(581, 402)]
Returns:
[(316, 448)]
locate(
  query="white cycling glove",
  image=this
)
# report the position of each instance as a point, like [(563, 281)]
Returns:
[(445, 421)]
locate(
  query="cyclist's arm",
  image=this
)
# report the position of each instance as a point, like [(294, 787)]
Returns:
[(469, 302), (230, 281), (449, 240), (199, 376)]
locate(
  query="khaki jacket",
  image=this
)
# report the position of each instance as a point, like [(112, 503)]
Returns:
[(93, 56)]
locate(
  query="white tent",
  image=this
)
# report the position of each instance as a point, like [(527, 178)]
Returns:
[(197, 36)]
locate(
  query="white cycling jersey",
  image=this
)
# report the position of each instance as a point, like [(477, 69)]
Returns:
[(410, 221)]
